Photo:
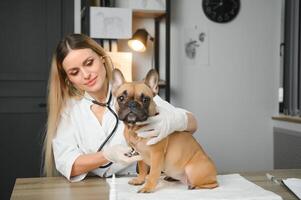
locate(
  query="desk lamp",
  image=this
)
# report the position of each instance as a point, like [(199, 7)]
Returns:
[(139, 40)]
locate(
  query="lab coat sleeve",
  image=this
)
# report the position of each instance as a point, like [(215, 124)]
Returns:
[(65, 148)]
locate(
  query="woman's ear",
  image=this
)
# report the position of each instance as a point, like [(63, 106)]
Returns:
[(152, 80), (102, 59), (117, 80)]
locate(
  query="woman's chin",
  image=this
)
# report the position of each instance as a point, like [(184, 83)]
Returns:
[(93, 89), (96, 88)]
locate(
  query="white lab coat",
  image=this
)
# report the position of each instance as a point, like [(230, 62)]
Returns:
[(79, 132)]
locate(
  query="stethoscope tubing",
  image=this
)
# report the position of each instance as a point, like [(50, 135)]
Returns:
[(107, 105)]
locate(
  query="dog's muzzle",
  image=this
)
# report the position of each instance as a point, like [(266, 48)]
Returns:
[(135, 113)]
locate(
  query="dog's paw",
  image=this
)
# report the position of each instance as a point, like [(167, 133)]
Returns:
[(145, 190), (190, 187), (136, 181)]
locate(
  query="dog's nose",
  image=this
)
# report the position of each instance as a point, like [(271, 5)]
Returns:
[(132, 104)]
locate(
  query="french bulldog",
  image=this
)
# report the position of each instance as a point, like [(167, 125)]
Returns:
[(178, 155)]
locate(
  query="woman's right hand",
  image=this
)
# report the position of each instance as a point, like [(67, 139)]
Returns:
[(116, 154)]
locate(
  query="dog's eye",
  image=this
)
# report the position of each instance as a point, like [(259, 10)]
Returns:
[(145, 100), (120, 98)]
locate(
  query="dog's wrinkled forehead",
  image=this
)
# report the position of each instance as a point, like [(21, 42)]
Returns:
[(135, 90)]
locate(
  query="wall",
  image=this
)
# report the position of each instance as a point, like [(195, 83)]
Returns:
[(234, 96)]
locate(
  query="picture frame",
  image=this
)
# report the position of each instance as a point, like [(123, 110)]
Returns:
[(110, 23)]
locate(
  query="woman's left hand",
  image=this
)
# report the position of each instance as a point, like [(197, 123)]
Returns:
[(117, 154), (164, 123)]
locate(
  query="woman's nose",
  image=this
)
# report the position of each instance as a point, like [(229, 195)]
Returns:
[(86, 73)]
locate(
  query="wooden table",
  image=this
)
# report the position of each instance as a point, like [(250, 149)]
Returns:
[(95, 188)]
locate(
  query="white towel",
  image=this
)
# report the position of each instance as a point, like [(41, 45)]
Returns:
[(294, 184), (231, 186)]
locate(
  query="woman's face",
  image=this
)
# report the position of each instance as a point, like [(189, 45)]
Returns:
[(86, 70)]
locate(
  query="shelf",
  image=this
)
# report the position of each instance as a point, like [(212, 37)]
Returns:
[(286, 118), (161, 17), (148, 13)]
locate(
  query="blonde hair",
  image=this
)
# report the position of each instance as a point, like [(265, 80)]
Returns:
[(59, 91)]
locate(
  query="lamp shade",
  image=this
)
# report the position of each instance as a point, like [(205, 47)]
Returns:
[(139, 40)]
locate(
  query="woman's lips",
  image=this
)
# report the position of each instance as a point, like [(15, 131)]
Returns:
[(91, 82)]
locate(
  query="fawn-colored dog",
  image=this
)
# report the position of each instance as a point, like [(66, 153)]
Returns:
[(179, 155)]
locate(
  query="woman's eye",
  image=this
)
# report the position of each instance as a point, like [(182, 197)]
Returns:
[(120, 98), (73, 73), (90, 62)]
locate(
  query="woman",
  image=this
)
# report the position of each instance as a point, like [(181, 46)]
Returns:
[(80, 73)]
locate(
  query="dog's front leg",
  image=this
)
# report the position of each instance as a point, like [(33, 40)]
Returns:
[(157, 158), (142, 172)]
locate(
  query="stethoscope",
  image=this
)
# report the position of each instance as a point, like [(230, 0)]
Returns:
[(107, 105)]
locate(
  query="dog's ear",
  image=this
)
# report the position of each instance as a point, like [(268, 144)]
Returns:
[(152, 80), (117, 80)]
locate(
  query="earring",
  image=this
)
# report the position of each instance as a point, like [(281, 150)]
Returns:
[(103, 59)]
